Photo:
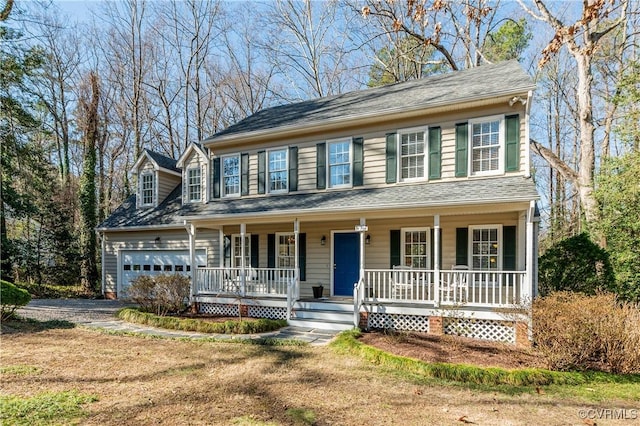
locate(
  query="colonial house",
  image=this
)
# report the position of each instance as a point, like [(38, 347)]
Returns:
[(410, 206)]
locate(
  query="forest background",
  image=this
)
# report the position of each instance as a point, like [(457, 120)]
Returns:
[(84, 91)]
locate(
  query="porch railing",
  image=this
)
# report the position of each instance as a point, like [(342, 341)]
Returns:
[(453, 287), (244, 282)]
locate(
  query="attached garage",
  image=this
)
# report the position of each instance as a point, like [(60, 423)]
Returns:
[(134, 263)]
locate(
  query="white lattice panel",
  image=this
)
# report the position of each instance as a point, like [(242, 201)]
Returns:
[(219, 309), (499, 331), (398, 322), (270, 312)]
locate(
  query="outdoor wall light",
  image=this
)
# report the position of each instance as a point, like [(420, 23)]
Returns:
[(323, 240), (157, 240), (367, 240)]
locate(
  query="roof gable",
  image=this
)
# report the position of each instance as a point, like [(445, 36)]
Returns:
[(193, 147), (159, 161)]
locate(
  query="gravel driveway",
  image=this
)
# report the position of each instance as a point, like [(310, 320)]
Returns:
[(73, 310)]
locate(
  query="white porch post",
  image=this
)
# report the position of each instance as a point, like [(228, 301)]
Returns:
[(522, 242), (527, 290), (243, 250), (363, 223), (296, 234), (221, 247), (191, 231), (436, 260)]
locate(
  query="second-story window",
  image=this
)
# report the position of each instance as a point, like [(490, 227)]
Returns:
[(231, 175), (485, 145), (339, 157), (278, 171), (147, 189), (412, 153), (194, 180)]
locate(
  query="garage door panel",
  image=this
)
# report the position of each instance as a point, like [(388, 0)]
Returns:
[(154, 262)]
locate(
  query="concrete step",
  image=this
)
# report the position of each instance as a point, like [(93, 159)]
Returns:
[(324, 314), (312, 305), (321, 324)]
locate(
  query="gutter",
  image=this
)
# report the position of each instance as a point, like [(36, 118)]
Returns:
[(141, 228)]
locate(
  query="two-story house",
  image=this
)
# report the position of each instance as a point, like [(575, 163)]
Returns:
[(411, 204)]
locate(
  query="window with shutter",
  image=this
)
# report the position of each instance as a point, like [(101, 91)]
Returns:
[(412, 154)]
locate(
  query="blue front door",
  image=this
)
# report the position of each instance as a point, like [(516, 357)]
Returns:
[(346, 262)]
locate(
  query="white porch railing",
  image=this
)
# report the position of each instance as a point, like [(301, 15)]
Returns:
[(454, 287), (244, 282)]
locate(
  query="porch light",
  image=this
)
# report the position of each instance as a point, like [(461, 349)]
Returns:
[(157, 240), (367, 240), (323, 240)]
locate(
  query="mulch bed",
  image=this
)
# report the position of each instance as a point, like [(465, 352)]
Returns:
[(453, 349), (213, 318)]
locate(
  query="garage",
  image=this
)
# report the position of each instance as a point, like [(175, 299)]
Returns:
[(155, 262)]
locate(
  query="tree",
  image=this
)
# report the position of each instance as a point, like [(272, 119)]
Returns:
[(88, 114), (407, 60), (508, 42)]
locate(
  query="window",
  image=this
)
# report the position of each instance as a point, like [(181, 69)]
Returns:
[(485, 247), (278, 171), (236, 250), (486, 140), (147, 189), (194, 184), (231, 175), (412, 153), (286, 251), (415, 247), (339, 164)]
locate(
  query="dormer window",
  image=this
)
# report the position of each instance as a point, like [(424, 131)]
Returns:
[(146, 188), (231, 175), (194, 184)]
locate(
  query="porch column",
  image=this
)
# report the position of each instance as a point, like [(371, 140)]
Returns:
[(436, 260), (191, 231), (243, 250), (221, 247), (296, 233), (522, 242), (527, 290), (363, 223)]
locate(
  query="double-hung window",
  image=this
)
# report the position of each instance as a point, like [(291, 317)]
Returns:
[(236, 250), (339, 163), (412, 154), (286, 251), (278, 171), (231, 175), (485, 247), (194, 184), (147, 188), (415, 247), (487, 144)]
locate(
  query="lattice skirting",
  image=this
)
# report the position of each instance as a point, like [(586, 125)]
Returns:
[(501, 331), (398, 322), (218, 309), (270, 312)]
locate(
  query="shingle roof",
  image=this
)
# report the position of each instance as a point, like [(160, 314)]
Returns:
[(482, 82), (163, 161)]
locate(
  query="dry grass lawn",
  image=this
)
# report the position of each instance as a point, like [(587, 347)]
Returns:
[(150, 381)]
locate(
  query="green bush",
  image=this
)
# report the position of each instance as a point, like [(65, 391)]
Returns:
[(575, 264), (11, 298), (162, 294), (576, 331)]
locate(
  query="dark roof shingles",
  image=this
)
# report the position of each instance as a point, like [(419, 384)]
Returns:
[(163, 161)]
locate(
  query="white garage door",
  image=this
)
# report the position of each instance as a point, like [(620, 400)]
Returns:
[(154, 262)]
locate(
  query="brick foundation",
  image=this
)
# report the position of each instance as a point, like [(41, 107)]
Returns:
[(436, 326), (364, 321), (522, 335), (110, 295), (244, 310), (194, 308)]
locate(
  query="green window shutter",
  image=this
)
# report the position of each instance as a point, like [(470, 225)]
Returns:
[(293, 168), (509, 248), (462, 146), (244, 173), (261, 171), (512, 143), (394, 246), (321, 165), (462, 246), (392, 158), (271, 250), (302, 256), (435, 152), (432, 248), (358, 161), (216, 178), (255, 250)]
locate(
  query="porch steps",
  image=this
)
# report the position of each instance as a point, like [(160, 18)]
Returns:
[(323, 315)]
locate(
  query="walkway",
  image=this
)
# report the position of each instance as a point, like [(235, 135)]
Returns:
[(100, 314)]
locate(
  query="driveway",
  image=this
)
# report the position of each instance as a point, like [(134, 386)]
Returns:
[(79, 311)]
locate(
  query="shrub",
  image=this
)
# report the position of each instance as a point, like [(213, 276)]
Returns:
[(11, 298), (162, 294), (575, 264), (577, 331)]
